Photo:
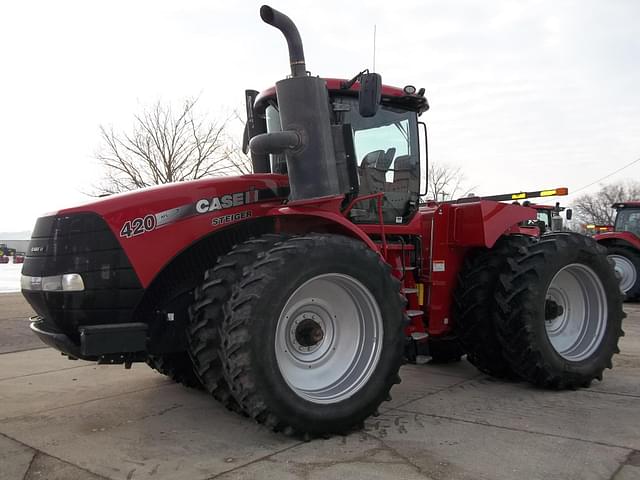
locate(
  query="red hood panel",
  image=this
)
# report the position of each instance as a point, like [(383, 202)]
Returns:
[(154, 224)]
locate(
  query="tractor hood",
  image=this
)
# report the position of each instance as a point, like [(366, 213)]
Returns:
[(184, 196), (153, 225)]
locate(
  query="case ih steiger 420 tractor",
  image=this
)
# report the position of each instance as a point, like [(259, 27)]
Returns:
[(623, 245), (294, 294)]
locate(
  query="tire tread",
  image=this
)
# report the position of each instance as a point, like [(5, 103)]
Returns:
[(206, 314), (516, 316), (236, 331)]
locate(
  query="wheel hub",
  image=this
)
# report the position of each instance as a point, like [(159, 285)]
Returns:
[(552, 310), (307, 332)]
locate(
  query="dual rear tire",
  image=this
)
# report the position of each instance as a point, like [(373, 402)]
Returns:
[(475, 303), (551, 314), (177, 366)]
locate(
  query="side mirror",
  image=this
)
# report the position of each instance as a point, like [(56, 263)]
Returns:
[(568, 213), (370, 94)]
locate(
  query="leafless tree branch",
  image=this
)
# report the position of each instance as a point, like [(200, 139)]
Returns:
[(446, 182), (166, 146), (596, 208)]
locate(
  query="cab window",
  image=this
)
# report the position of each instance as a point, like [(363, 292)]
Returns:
[(545, 216), (628, 220)]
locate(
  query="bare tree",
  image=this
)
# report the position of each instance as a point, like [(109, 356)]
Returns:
[(166, 146), (445, 182), (596, 207), (239, 161)]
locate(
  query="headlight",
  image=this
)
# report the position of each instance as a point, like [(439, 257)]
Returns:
[(69, 282)]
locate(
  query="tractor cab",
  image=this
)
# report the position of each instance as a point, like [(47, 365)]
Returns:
[(382, 147), (549, 216), (544, 215), (627, 218)]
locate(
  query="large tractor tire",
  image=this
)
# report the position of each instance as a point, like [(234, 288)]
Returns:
[(474, 305), (312, 339), (627, 266), (559, 312), (177, 366), (206, 314)]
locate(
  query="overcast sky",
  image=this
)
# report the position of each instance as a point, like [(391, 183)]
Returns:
[(524, 95)]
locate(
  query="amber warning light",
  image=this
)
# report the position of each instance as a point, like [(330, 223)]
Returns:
[(520, 195), (555, 192)]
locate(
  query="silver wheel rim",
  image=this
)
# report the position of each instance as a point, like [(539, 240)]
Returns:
[(626, 272), (577, 327), (328, 338)]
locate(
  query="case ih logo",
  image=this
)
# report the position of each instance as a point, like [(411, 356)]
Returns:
[(227, 201)]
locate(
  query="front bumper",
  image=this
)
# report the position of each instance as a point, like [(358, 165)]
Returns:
[(106, 343), (53, 337)]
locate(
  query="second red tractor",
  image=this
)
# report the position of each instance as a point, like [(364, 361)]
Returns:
[(623, 246)]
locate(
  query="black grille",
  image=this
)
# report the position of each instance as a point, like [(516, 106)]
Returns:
[(81, 243)]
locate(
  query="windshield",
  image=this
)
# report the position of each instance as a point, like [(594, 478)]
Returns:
[(628, 220), (387, 142)]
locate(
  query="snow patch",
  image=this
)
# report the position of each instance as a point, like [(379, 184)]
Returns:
[(10, 276)]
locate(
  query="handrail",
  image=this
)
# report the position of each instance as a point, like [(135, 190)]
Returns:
[(378, 196)]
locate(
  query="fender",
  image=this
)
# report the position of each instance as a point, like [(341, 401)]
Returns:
[(625, 239), (302, 217), (456, 228), (480, 224)]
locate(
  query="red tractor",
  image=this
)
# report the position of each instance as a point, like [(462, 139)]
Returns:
[(294, 294), (623, 245)]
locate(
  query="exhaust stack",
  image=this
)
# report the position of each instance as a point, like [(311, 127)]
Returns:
[(306, 137), (291, 34)]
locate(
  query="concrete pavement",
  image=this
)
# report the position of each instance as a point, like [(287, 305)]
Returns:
[(62, 419)]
